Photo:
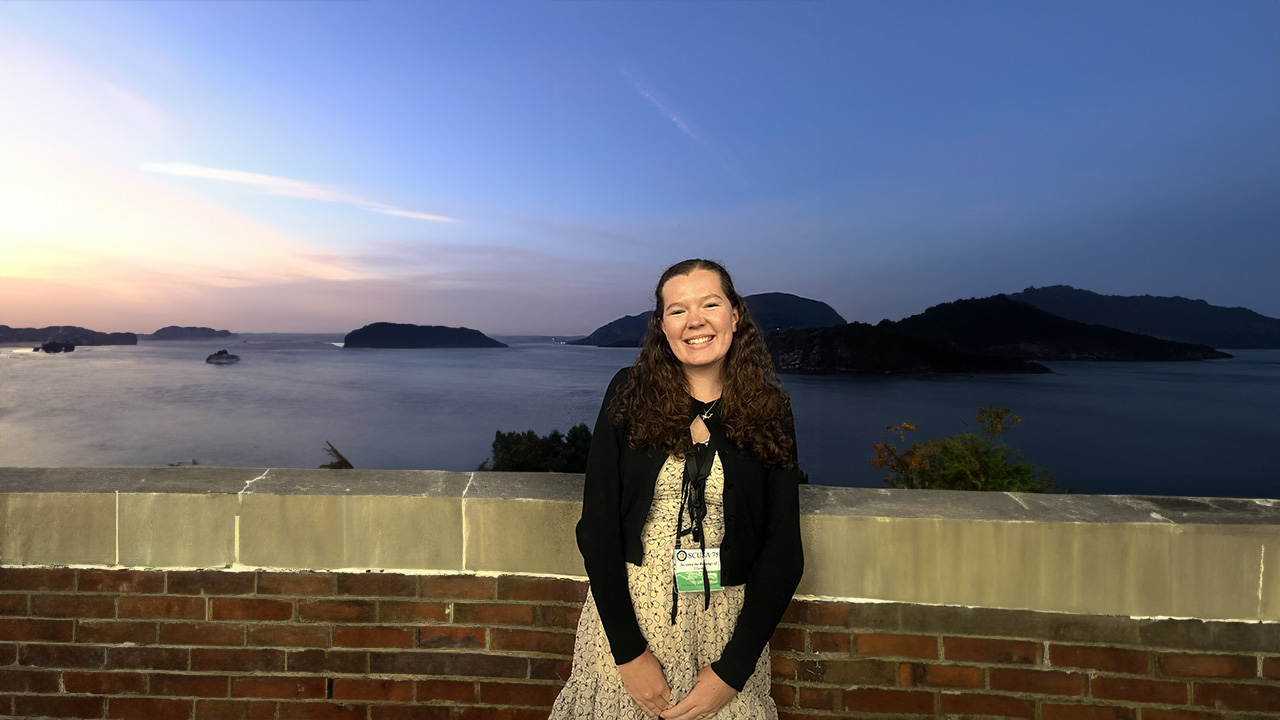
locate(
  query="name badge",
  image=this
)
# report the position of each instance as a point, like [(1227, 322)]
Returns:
[(688, 569)]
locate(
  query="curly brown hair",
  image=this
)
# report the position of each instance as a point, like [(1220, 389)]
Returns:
[(754, 409)]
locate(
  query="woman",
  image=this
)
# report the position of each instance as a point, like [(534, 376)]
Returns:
[(692, 471)]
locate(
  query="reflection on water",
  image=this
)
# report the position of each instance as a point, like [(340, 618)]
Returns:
[(1210, 428)]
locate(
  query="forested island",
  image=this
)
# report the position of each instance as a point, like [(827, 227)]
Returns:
[(176, 332), (64, 335), (409, 336)]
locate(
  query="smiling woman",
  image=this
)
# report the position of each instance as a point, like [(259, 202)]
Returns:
[(690, 520)]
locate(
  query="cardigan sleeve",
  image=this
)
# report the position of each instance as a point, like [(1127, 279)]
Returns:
[(599, 532), (773, 578)]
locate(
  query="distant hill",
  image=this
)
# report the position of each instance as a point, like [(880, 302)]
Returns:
[(772, 312), (175, 332), (975, 335), (407, 336), (65, 334), (1170, 318)]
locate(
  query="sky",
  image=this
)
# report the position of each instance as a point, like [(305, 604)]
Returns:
[(532, 167)]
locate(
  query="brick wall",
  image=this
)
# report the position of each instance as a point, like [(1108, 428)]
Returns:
[(99, 643)]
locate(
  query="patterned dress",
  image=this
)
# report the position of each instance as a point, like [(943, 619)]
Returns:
[(595, 690)]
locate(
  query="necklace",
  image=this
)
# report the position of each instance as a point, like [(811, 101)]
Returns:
[(709, 411)]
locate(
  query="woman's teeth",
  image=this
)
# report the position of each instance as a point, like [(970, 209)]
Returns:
[(698, 341)]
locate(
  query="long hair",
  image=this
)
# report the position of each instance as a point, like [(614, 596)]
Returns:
[(754, 409)]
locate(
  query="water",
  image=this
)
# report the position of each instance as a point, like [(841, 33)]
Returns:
[(1204, 429)]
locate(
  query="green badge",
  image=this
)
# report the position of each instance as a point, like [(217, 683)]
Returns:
[(688, 569)]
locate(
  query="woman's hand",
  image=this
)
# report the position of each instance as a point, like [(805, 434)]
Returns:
[(646, 684), (708, 696)]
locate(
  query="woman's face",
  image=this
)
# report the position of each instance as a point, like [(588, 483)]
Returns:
[(697, 319)]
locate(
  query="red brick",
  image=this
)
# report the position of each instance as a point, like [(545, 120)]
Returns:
[(58, 706), (1238, 696), (888, 701), (953, 676), (288, 635), (149, 658), (787, 639), (73, 606), (163, 607), (448, 663), (321, 711), (1160, 714), (201, 633), (889, 645), (400, 712), (8, 654), (986, 706), (28, 681), (908, 673), (830, 642), (378, 585), (372, 689), (365, 636), (210, 582), (550, 669), (784, 696), (61, 656), (1138, 690), (792, 715), (859, 671), (105, 683), (801, 612), (514, 587), (184, 685), (284, 688), (20, 629), (985, 650), (235, 710), (148, 708), (338, 610), (499, 713), (459, 691), (493, 614), (280, 583), (526, 694), (531, 641), (558, 616), (121, 581), (1129, 662), (1208, 666), (16, 578), (1042, 682), (250, 609), (116, 632), (1271, 668), (456, 586), (1086, 712), (819, 698), (13, 604), (237, 659), (329, 661), (447, 636), (784, 667), (405, 611)]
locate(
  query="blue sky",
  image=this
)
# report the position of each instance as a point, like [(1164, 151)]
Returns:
[(532, 167)]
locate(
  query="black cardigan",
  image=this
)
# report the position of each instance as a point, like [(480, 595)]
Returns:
[(761, 546)]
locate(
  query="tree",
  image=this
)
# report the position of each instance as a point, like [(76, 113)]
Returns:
[(966, 461), (530, 452)]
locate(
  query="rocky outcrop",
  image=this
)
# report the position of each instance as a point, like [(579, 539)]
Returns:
[(54, 347), (174, 332), (408, 336), (222, 357)]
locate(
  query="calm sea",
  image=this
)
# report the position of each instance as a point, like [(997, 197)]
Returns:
[(1201, 429)]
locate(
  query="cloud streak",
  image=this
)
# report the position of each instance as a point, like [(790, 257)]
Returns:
[(287, 187)]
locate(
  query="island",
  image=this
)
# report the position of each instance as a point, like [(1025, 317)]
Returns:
[(772, 312), (176, 332), (408, 336), (65, 335), (222, 357)]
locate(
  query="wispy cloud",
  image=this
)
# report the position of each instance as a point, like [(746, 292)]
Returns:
[(273, 185)]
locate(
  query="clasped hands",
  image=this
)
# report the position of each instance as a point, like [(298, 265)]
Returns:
[(646, 684)]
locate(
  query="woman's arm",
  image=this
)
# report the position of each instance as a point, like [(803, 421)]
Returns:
[(600, 532), (773, 578)]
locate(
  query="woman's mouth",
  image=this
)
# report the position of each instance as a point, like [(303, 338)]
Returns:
[(700, 340)]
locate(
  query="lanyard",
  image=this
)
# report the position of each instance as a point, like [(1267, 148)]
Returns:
[(693, 495)]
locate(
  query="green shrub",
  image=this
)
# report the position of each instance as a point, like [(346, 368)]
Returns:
[(530, 452), (967, 461)]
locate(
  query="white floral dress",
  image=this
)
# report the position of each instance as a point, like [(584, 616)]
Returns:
[(698, 637)]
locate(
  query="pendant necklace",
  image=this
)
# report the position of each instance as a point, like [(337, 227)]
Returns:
[(706, 414)]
